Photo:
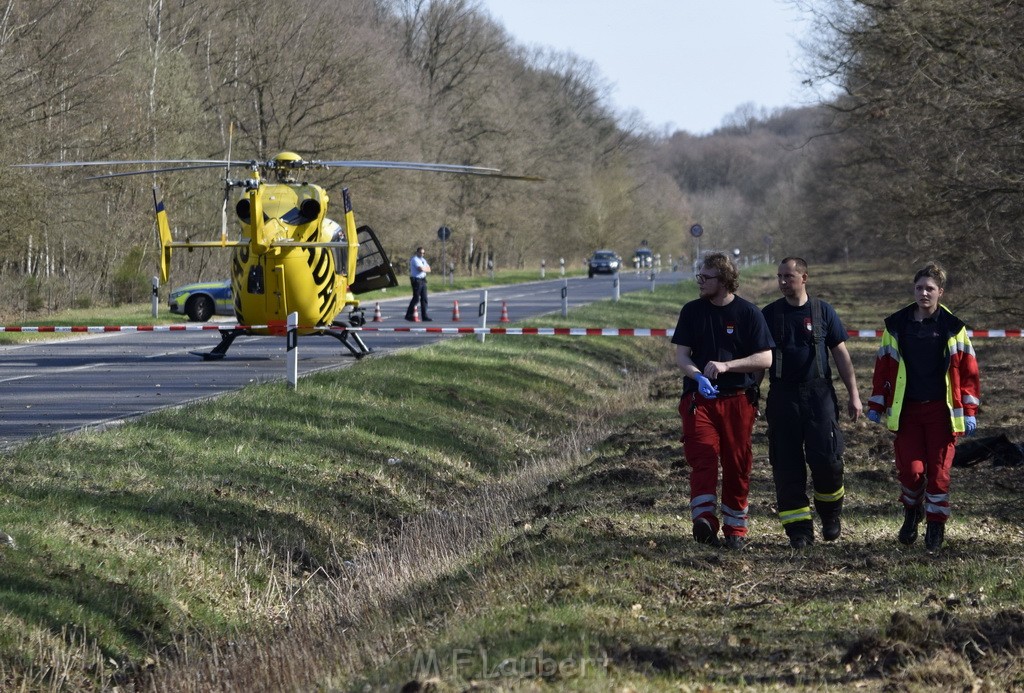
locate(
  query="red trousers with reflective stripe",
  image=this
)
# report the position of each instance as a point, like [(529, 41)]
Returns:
[(717, 431), (924, 448)]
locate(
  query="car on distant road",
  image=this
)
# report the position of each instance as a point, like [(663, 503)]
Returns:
[(643, 258), (603, 262), (203, 300)]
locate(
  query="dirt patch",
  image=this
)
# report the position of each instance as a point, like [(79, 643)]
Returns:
[(938, 648)]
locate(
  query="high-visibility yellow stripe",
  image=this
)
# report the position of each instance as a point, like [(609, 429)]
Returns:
[(798, 515), (830, 497)]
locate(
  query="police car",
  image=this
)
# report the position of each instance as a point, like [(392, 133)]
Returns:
[(643, 258), (203, 300)]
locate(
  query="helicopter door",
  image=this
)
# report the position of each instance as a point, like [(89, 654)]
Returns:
[(373, 269)]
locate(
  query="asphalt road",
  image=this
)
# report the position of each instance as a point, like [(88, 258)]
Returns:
[(100, 380)]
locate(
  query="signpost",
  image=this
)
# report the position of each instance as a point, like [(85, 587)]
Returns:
[(696, 231), (444, 233)]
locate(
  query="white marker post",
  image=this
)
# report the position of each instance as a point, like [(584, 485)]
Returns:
[(156, 295), (565, 299), (292, 345), (615, 288), (483, 315)]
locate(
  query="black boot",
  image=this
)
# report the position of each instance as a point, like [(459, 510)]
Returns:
[(934, 533), (831, 529), (801, 534), (911, 519), (704, 533), (830, 513)]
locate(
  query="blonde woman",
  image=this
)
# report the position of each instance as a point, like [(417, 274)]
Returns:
[(927, 388)]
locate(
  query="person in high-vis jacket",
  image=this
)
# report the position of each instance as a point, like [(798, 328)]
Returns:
[(803, 411), (926, 387), (722, 345)]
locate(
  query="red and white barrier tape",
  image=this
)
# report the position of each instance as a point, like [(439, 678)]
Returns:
[(567, 331), (982, 334), (119, 328)]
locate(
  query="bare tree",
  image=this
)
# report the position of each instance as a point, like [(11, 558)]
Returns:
[(933, 112)]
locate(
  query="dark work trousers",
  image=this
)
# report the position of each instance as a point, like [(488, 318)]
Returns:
[(803, 431), (419, 295)]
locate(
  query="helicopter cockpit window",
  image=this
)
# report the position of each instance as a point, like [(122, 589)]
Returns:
[(340, 254), (333, 232)]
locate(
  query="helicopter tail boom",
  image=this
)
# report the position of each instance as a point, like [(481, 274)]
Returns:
[(164, 232)]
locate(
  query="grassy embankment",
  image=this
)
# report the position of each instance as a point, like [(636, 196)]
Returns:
[(512, 514)]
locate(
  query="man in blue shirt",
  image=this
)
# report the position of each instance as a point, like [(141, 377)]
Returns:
[(418, 269)]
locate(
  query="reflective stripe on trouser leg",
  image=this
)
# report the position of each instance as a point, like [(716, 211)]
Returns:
[(911, 497), (788, 517), (937, 506), (703, 505), (829, 505), (737, 519)]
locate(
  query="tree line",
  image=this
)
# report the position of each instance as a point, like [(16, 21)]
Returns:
[(913, 157), (407, 80)]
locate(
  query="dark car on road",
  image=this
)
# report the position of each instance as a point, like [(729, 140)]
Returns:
[(603, 262)]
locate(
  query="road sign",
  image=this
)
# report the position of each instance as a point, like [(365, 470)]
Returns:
[(696, 230), (444, 233)]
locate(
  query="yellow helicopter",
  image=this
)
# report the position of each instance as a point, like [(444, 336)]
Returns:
[(290, 257)]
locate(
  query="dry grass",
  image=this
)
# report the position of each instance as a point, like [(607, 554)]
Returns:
[(561, 559)]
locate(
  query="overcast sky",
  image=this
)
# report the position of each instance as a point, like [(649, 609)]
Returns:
[(685, 64)]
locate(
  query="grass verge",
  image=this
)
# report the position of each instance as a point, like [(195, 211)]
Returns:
[(217, 520), (507, 515)]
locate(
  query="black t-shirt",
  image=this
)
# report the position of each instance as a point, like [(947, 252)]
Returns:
[(796, 342), (923, 348), (722, 333)]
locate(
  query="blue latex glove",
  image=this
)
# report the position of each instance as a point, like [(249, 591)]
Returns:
[(705, 388), (971, 425), (874, 416)]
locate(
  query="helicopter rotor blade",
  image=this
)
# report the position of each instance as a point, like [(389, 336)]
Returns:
[(420, 166), (133, 162), (172, 165), (156, 170)]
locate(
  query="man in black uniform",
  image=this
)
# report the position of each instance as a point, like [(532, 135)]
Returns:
[(802, 410)]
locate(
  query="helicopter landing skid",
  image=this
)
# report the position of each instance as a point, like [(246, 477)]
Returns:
[(218, 352), (352, 341)]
